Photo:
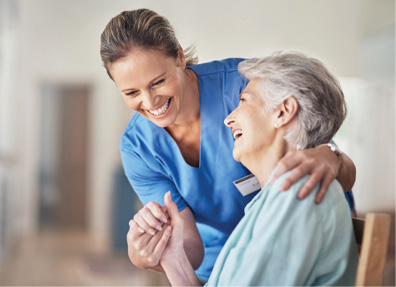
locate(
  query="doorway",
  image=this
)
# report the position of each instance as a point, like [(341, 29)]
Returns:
[(63, 155)]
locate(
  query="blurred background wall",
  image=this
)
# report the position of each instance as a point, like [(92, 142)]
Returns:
[(61, 117)]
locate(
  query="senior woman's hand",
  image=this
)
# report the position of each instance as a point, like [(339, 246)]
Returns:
[(174, 259), (322, 164)]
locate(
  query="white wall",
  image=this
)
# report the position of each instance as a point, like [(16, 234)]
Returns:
[(59, 40)]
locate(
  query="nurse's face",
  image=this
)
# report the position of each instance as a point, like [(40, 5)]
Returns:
[(251, 125), (151, 84)]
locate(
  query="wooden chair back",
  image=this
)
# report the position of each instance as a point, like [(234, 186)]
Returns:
[(372, 234)]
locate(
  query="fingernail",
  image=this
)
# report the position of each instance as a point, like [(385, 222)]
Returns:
[(151, 231), (140, 230)]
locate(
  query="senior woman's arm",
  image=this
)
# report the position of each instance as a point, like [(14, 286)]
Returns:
[(174, 260), (322, 164)]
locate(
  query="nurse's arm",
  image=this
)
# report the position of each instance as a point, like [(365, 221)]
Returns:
[(323, 166), (193, 245)]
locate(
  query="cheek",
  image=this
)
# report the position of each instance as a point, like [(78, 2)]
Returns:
[(176, 85), (174, 88), (132, 104)]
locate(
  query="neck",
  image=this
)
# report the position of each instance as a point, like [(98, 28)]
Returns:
[(264, 163), (190, 105)]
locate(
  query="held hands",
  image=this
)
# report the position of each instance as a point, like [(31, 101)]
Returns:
[(150, 231), (320, 162), (145, 232)]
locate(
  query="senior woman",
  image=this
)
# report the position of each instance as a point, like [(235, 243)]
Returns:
[(291, 102), (176, 140)]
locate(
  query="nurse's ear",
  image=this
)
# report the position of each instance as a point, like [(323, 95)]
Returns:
[(181, 59), (286, 112)]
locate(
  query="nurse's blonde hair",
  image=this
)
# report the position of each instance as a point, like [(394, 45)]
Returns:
[(140, 28)]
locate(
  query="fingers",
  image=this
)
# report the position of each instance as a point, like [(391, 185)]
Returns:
[(163, 241), (134, 228), (148, 235), (144, 225), (310, 184), (136, 238), (288, 162), (151, 217), (323, 188), (171, 207), (157, 211), (146, 250), (297, 173), (314, 162)]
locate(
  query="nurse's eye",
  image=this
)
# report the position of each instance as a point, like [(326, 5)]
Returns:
[(158, 83), (132, 93)]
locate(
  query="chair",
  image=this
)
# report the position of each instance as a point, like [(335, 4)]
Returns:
[(372, 235)]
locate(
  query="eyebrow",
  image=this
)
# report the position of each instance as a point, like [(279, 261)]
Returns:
[(153, 80)]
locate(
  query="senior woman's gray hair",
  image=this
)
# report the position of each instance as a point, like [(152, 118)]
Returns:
[(321, 103)]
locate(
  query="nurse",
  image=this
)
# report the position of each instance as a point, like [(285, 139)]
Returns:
[(176, 140)]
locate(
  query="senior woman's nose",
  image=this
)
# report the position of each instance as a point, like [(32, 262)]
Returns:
[(229, 120)]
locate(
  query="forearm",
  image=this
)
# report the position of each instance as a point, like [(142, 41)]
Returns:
[(347, 173), (180, 272), (192, 242), (194, 252)]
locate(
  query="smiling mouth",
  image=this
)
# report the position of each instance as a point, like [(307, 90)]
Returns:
[(237, 134), (161, 110)]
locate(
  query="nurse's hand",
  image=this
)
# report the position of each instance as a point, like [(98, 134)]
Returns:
[(145, 250), (321, 163), (145, 231), (151, 218)]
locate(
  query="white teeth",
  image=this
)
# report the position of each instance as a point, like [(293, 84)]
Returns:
[(237, 133), (161, 110)]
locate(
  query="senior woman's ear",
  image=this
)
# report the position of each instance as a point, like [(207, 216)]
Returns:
[(286, 112)]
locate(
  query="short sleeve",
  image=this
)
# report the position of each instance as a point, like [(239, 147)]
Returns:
[(148, 184)]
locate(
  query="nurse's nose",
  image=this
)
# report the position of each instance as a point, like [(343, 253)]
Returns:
[(149, 100)]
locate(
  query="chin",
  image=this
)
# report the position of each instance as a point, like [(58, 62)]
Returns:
[(236, 156)]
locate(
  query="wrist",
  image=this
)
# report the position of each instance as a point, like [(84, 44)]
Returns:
[(335, 149), (174, 261), (179, 271)]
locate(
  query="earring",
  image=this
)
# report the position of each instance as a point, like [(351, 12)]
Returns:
[(276, 126)]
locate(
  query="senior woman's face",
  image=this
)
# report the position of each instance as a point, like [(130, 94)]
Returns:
[(252, 127), (151, 84)]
